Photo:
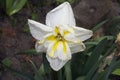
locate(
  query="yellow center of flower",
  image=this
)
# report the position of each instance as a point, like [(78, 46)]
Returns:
[(58, 40), (59, 37)]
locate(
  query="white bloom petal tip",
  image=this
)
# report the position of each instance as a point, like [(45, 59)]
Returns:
[(61, 15), (65, 4), (39, 47), (29, 20), (55, 63), (38, 30)]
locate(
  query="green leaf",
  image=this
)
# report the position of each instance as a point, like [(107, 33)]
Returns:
[(18, 73), (115, 18), (113, 65), (42, 70), (107, 37), (7, 62), (98, 26), (116, 72), (27, 52), (114, 26), (81, 78), (46, 65), (95, 76), (26, 29), (13, 6), (38, 75), (94, 57), (34, 16), (68, 71), (60, 75), (91, 43), (92, 71), (77, 64), (9, 4)]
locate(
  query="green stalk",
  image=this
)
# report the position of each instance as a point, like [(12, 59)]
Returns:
[(60, 74), (36, 70), (68, 71)]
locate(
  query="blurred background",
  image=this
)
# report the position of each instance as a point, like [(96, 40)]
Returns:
[(15, 37)]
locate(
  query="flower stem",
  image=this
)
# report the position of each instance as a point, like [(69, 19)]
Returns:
[(68, 71), (60, 76)]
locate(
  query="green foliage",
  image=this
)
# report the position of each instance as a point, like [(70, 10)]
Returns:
[(2, 3), (61, 1), (38, 75), (13, 6), (114, 26), (83, 66), (116, 72), (18, 73), (68, 71), (34, 16), (99, 25), (27, 52), (7, 62)]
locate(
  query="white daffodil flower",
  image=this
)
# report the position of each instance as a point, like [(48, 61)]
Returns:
[(60, 37)]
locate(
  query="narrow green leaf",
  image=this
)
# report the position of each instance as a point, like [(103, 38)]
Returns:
[(34, 16), (18, 5), (46, 65), (27, 52), (60, 76), (77, 64), (115, 18), (114, 26), (95, 55), (42, 70), (92, 71), (98, 26), (38, 75), (7, 62), (9, 4), (96, 76), (14, 6), (68, 71), (106, 37), (26, 29), (116, 72), (91, 43), (81, 78), (114, 65), (112, 21), (18, 73)]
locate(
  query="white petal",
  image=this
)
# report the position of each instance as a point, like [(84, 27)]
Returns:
[(71, 37), (47, 42), (40, 47), (61, 15), (38, 30), (77, 47), (59, 51), (82, 34), (50, 48), (55, 63), (61, 54)]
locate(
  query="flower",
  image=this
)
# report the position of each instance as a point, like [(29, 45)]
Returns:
[(60, 37)]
